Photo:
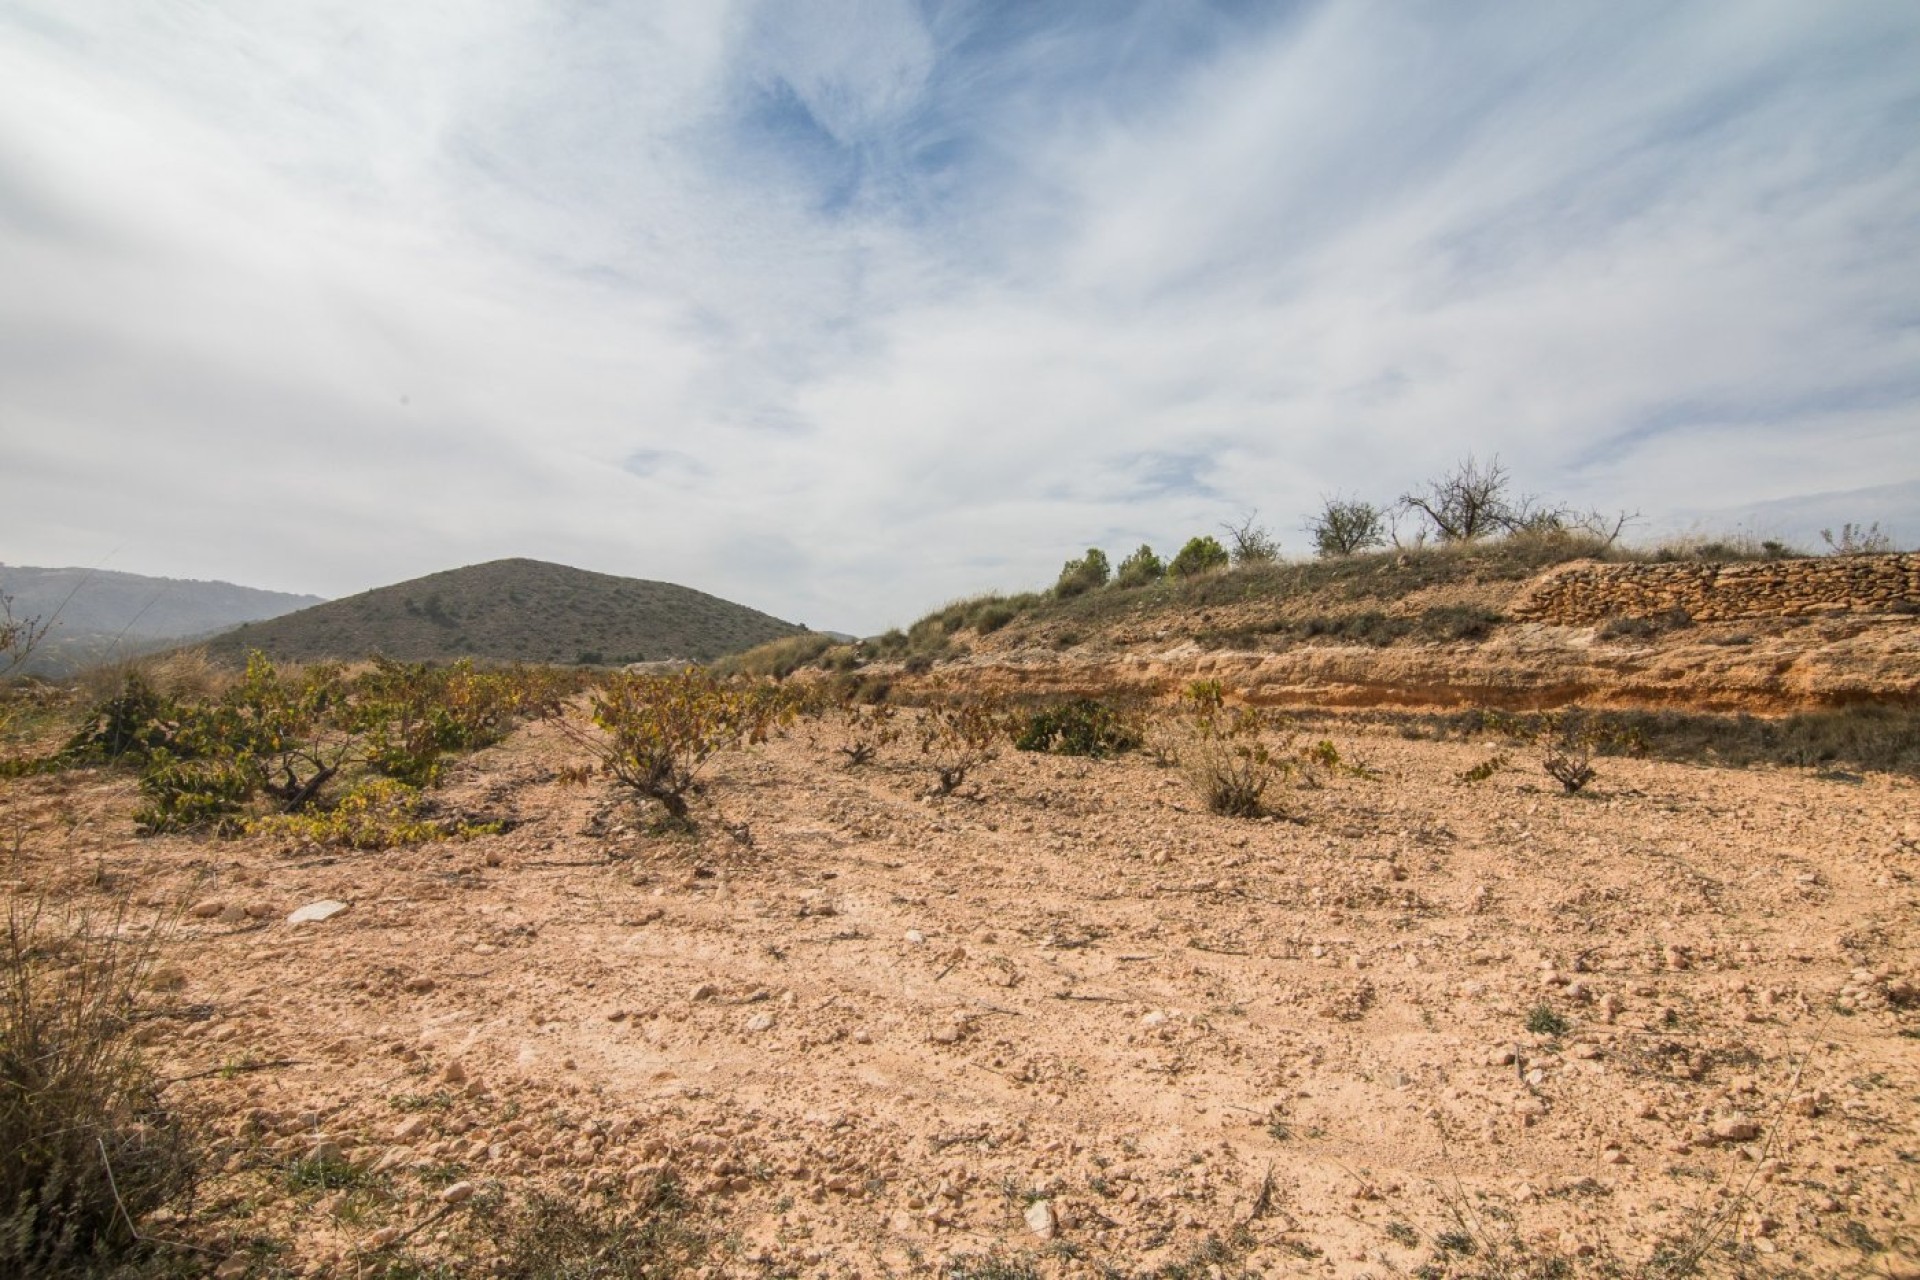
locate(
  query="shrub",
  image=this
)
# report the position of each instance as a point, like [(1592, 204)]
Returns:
[(411, 715), (1089, 573), (662, 730), (1225, 752), (193, 795), (134, 720), (864, 730), (1140, 569), (91, 1151), (1201, 555), (1082, 727), (1346, 526), (957, 739), (1567, 742)]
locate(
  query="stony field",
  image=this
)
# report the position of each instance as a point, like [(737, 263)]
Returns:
[(1061, 1022)]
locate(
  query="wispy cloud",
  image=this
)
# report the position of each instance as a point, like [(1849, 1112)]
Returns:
[(843, 309)]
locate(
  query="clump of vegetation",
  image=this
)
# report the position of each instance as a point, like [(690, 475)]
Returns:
[(1720, 550), (957, 739), (1081, 727), (1087, 573), (660, 731), (1203, 554), (1858, 540), (283, 739), (1543, 1021), (931, 639), (412, 716), (1140, 569), (1485, 769), (378, 813), (1226, 751), (91, 1151)]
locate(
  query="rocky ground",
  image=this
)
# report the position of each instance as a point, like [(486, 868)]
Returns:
[(1063, 1019)]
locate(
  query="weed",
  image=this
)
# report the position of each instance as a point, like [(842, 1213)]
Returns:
[(326, 1173), (990, 1266), (1484, 770), (1543, 1021), (1402, 1234), (438, 1100)]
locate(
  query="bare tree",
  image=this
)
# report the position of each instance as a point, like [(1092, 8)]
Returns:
[(1468, 502), (1346, 526), (18, 636), (1252, 544), (1473, 501)]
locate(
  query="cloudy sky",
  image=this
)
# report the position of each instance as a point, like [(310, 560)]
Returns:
[(844, 308)]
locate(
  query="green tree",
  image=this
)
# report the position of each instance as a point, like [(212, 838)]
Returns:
[(1203, 554), (1090, 572), (1140, 568)]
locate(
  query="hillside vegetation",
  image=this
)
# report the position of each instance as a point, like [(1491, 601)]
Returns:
[(513, 611)]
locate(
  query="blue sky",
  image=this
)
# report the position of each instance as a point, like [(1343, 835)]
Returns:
[(845, 308)]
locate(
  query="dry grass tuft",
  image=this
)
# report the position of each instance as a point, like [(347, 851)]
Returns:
[(91, 1149)]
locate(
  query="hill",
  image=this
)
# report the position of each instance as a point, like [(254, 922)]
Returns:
[(513, 611), (98, 613)]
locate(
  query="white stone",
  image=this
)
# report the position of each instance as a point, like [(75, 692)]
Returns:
[(313, 912), (1041, 1220)]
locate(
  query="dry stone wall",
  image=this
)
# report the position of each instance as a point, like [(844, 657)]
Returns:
[(1586, 591)]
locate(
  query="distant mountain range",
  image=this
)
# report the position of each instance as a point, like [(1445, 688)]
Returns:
[(514, 611), (98, 614)]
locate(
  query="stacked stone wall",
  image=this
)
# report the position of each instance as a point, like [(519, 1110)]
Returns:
[(1587, 591)]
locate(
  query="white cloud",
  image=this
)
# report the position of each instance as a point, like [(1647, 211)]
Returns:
[(841, 311)]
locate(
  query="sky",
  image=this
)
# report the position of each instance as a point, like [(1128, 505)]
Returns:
[(843, 309)]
